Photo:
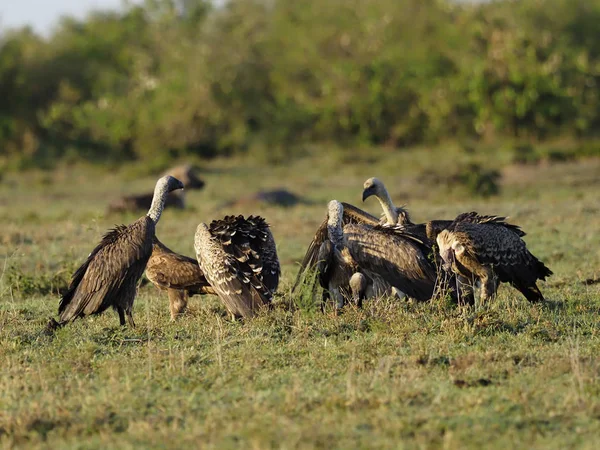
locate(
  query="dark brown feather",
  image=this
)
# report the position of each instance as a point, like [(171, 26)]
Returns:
[(110, 274)]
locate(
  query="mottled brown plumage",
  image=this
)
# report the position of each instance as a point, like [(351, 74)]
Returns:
[(338, 273), (487, 249), (110, 275), (239, 259), (177, 274), (389, 256)]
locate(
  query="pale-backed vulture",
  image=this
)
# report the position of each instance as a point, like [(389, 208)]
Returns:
[(389, 256), (185, 173), (338, 273), (239, 259), (488, 249), (177, 274), (110, 275)]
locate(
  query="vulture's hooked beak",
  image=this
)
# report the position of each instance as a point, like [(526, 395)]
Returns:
[(367, 193)]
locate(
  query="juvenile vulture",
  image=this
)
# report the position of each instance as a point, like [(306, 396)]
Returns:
[(135, 202), (110, 275), (487, 249), (391, 257), (179, 275), (239, 259)]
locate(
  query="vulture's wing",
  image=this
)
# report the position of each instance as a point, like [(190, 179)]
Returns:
[(122, 254), (473, 217), (394, 254), (169, 270), (352, 215), (232, 266), (250, 241)]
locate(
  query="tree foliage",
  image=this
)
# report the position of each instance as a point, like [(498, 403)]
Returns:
[(176, 77)]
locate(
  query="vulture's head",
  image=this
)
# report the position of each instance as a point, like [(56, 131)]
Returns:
[(170, 183), (450, 249), (373, 186), (335, 213)]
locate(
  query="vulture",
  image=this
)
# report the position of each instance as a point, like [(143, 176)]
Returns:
[(110, 275), (238, 258), (489, 250), (392, 258), (185, 173), (393, 215), (179, 275), (338, 273)]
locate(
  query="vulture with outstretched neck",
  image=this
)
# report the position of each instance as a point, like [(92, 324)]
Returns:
[(238, 258), (177, 274), (110, 275), (489, 250)]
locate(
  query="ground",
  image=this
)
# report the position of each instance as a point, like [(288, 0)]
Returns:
[(504, 375)]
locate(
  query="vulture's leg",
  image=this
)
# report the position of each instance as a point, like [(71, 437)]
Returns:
[(177, 302), (338, 298), (466, 290), (488, 285), (121, 316), (130, 321), (358, 286)]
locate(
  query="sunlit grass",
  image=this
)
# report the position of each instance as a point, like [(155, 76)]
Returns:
[(509, 374)]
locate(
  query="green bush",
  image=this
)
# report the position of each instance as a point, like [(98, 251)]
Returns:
[(172, 78)]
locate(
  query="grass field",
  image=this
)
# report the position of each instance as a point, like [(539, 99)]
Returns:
[(394, 375)]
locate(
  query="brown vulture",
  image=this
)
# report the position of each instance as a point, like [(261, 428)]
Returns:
[(177, 274), (489, 250), (390, 257), (110, 275), (238, 258)]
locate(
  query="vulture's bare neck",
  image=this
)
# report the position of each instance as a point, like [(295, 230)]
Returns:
[(158, 201), (334, 223), (391, 214)]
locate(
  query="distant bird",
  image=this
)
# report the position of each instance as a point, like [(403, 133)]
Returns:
[(110, 275), (179, 275), (238, 258), (489, 250), (135, 202), (390, 257), (275, 197)]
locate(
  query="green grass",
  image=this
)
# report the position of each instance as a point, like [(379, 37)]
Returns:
[(395, 374)]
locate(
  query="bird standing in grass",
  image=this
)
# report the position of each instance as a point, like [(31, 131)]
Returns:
[(489, 250), (179, 275), (110, 275), (238, 258)]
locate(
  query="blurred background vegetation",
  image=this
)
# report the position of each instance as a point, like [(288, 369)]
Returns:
[(168, 79)]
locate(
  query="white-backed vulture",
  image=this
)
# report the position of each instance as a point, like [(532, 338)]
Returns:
[(487, 249), (177, 274), (135, 202), (389, 256), (338, 273), (398, 215), (110, 275), (239, 259)]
